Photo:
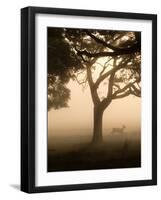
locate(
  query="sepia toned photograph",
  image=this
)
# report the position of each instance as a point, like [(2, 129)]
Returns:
[(88, 99), (94, 99)]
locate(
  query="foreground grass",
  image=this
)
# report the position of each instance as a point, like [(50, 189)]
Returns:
[(86, 156)]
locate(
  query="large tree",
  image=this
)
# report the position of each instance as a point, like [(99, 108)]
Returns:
[(107, 59)]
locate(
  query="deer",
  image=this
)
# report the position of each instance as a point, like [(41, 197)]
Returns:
[(118, 130), (121, 139)]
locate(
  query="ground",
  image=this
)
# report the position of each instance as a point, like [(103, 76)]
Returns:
[(86, 156)]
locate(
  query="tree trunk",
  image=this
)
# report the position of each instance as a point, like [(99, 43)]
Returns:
[(97, 128)]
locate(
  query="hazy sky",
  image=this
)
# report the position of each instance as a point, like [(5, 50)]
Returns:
[(79, 114)]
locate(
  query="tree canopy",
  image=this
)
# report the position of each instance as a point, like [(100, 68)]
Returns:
[(97, 57), (62, 62)]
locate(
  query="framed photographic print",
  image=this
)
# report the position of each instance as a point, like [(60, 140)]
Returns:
[(88, 99)]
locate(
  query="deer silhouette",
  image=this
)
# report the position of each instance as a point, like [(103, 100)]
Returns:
[(118, 130)]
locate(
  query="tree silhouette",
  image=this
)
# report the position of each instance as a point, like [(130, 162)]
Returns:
[(109, 60), (62, 62)]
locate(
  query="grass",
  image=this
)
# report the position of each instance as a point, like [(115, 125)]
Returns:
[(86, 156)]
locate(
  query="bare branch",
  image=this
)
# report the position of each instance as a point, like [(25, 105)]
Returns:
[(105, 75), (135, 91), (138, 86), (80, 82), (123, 89), (117, 86), (129, 87), (105, 66), (127, 93)]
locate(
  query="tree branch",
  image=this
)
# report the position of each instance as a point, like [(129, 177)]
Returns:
[(111, 81), (93, 90), (121, 51), (98, 40), (105, 75), (114, 48), (105, 54), (108, 98), (123, 89), (128, 88), (136, 91), (117, 86), (127, 93), (80, 82)]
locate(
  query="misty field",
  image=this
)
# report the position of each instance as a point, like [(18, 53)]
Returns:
[(92, 71), (75, 152)]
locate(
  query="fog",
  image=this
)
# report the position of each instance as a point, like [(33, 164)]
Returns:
[(76, 121)]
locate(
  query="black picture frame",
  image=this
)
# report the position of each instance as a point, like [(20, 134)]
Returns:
[(28, 98)]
